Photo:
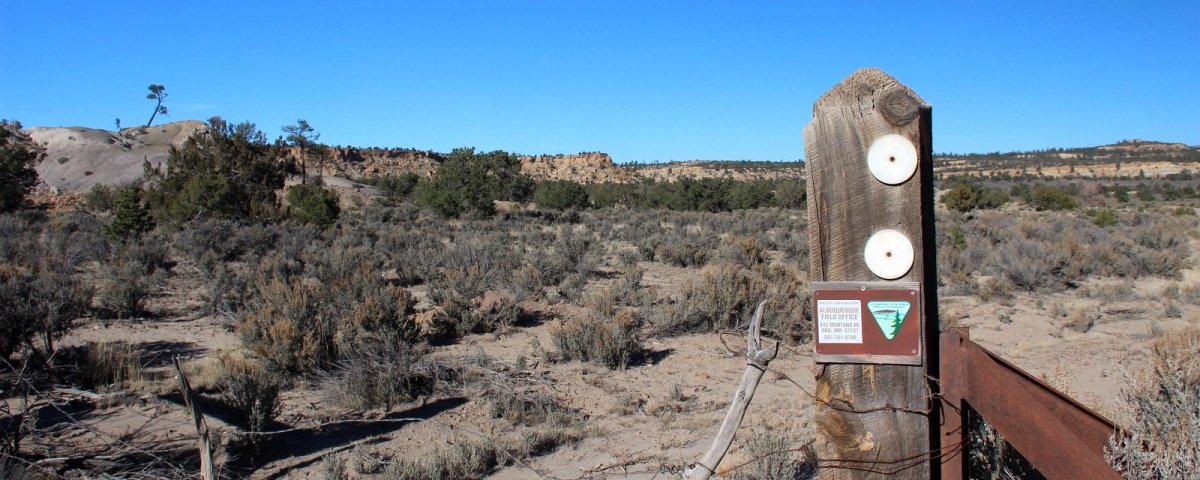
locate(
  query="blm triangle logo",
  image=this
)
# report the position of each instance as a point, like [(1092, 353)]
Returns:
[(889, 315)]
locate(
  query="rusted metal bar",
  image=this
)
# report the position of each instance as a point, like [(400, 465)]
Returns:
[(1060, 437)]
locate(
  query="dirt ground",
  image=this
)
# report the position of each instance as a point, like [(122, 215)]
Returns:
[(646, 442)]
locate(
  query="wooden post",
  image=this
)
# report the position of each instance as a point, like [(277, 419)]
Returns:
[(207, 469), (847, 204)]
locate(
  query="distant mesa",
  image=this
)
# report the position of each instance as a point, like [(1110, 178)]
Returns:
[(73, 159)]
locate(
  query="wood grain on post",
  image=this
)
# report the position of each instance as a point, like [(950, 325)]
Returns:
[(846, 205)]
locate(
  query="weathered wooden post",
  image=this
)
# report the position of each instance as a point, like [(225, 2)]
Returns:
[(871, 231)]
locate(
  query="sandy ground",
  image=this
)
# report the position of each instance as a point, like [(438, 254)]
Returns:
[(1090, 365)]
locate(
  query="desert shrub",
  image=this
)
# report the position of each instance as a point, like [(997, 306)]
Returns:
[(726, 295), (967, 194), (1082, 320), (470, 181), (313, 205), (460, 295), (521, 406), (1162, 437), (628, 258), (38, 305), (682, 252), (100, 198), (17, 174), (745, 252), (225, 171), (208, 235), (1042, 197), (466, 460), (333, 467), (395, 188), (252, 390), (610, 342), (561, 195), (577, 253), (382, 374), (776, 460), (302, 326), (137, 269), (1105, 218), (959, 283), (1032, 265), (131, 217), (110, 363)]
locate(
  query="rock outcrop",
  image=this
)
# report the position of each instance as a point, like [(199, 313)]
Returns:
[(73, 159)]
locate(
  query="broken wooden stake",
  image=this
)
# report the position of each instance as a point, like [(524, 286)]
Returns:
[(757, 359), (207, 470)]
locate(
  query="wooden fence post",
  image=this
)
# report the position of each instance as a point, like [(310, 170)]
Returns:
[(884, 415)]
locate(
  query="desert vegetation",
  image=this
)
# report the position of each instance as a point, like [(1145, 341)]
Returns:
[(445, 308)]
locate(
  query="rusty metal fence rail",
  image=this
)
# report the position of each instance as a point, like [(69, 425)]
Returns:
[(1061, 438)]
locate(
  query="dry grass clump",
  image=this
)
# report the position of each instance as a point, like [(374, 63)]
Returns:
[(382, 375), (466, 460), (1162, 438), (252, 390), (110, 364), (776, 460), (607, 341)]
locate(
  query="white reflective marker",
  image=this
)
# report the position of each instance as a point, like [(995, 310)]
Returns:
[(889, 254), (892, 159)]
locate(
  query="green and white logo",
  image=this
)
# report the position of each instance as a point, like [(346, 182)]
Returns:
[(889, 315)]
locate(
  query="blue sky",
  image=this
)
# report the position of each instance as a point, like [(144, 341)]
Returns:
[(642, 81)]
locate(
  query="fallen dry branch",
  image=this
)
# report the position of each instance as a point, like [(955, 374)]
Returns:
[(756, 362)]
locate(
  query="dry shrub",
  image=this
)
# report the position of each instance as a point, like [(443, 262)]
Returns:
[(466, 460), (746, 252), (252, 390), (115, 364), (522, 405), (684, 254), (959, 283), (38, 305), (1082, 320), (1162, 438), (776, 461), (289, 328), (383, 374), (608, 341), (130, 277), (558, 430), (995, 290), (460, 295), (303, 326)]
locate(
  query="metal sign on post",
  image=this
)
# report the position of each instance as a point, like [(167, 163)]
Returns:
[(872, 322), (871, 234)]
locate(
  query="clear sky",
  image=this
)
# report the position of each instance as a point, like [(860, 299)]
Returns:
[(642, 81)]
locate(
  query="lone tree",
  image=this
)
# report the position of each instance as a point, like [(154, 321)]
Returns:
[(302, 136), (159, 93)]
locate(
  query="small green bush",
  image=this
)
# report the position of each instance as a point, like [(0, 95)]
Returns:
[(561, 195), (313, 205), (131, 218)]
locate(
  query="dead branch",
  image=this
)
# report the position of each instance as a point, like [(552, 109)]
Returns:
[(207, 470), (756, 362)]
